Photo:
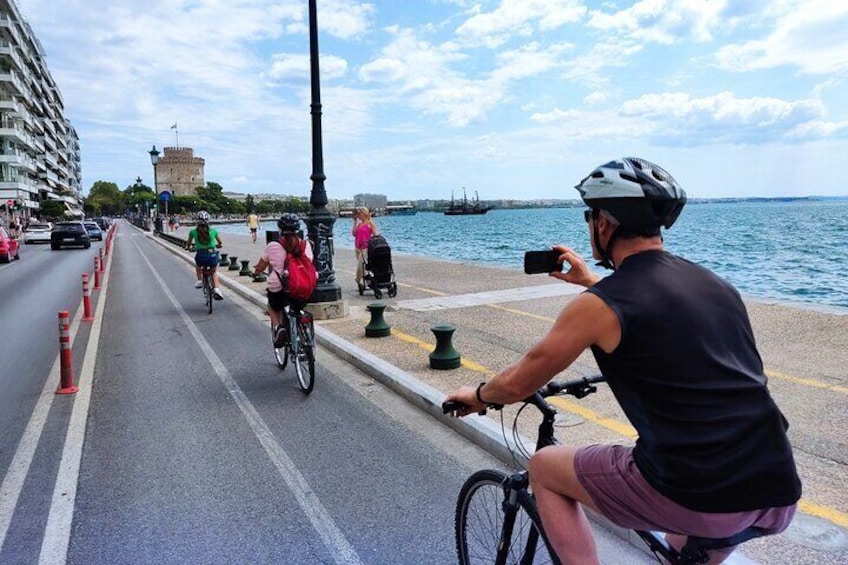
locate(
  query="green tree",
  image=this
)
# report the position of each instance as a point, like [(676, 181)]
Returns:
[(249, 203), (52, 209), (106, 198)]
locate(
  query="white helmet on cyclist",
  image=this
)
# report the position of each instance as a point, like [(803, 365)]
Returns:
[(640, 196), (203, 217)]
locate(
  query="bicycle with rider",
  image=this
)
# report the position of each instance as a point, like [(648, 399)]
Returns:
[(206, 241), (675, 344), (274, 256)]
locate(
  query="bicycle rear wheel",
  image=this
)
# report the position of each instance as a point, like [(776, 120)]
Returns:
[(207, 291), (480, 523), (304, 359)]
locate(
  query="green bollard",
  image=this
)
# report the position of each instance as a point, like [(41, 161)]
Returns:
[(224, 262), (245, 268), (377, 327), (233, 263), (261, 277), (444, 356)]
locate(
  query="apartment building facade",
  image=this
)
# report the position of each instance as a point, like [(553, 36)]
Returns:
[(39, 147)]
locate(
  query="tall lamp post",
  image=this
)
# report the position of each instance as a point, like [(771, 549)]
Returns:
[(154, 160), (319, 220)]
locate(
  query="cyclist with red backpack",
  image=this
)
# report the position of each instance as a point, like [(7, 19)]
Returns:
[(293, 276)]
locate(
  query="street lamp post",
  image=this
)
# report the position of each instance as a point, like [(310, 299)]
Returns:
[(154, 160), (319, 220)]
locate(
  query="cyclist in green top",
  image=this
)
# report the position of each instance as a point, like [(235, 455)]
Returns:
[(206, 241)]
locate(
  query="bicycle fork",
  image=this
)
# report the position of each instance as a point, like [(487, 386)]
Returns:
[(512, 486)]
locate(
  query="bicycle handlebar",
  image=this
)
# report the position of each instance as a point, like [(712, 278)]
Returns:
[(578, 388)]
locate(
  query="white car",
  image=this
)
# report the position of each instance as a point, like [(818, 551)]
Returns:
[(37, 233)]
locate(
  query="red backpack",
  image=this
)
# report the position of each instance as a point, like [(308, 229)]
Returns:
[(302, 279)]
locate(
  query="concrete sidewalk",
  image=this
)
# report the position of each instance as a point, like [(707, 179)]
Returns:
[(499, 314)]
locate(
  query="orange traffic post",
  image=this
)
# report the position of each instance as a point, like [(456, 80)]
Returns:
[(97, 272), (66, 362), (86, 300)]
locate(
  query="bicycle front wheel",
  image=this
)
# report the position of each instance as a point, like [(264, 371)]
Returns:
[(281, 353), (304, 359), (481, 522)]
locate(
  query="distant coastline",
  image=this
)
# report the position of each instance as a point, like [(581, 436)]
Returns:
[(438, 205)]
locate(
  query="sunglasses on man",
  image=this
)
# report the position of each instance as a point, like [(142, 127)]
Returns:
[(587, 215)]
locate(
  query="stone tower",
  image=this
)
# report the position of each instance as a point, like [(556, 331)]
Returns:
[(180, 172)]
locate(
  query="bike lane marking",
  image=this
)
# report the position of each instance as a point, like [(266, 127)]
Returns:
[(16, 474), (339, 547), (57, 533)]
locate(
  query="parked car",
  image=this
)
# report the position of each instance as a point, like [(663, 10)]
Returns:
[(69, 233), (103, 222), (94, 231), (37, 233), (9, 247)]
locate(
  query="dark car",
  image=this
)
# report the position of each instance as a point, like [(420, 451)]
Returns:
[(103, 222), (69, 233), (9, 248), (94, 231)]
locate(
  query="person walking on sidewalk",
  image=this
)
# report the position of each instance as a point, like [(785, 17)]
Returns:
[(363, 230), (675, 344), (274, 256), (253, 224), (207, 242)]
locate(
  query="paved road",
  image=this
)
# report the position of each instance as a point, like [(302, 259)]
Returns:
[(199, 450)]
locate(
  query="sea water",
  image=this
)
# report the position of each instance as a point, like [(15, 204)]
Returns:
[(784, 251)]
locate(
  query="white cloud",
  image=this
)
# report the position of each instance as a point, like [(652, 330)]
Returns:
[(296, 66), (811, 37), (721, 118), (662, 21), (519, 18)]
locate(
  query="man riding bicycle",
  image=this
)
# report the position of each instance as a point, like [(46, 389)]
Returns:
[(207, 242), (274, 255), (675, 344)]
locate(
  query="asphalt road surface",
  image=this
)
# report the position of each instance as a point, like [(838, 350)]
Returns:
[(197, 448)]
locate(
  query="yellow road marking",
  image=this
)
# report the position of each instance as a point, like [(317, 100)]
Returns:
[(829, 514), (808, 382)]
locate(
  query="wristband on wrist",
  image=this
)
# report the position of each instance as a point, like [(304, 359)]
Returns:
[(477, 393)]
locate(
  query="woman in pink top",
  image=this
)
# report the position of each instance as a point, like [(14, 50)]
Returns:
[(363, 229), (274, 256)]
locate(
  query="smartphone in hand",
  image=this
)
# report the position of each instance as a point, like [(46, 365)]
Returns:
[(537, 262)]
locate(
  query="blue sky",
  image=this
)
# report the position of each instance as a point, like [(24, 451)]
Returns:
[(513, 99)]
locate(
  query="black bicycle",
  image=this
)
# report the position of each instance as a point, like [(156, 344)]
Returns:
[(298, 344), (208, 290), (496, 516)]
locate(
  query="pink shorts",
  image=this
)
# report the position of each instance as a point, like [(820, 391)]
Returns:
[(610, 476)]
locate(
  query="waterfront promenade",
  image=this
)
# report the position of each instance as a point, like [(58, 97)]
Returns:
[(498, 314)]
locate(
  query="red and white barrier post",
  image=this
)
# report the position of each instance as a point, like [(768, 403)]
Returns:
[(66, 384), (86, 300), (102, 260), (97, 272)]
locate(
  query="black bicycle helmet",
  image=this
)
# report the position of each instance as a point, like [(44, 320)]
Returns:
[(288, 223), (638, 194)]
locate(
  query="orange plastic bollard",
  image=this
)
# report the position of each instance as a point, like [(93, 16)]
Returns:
[(97, 272), (86, 300), (66, 383)]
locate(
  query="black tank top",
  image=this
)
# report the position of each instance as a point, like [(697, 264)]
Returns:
[(688, 376)]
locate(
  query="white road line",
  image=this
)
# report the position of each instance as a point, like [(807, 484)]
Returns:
[(57, 533), (489, 297), (16, 474), (339, 547)]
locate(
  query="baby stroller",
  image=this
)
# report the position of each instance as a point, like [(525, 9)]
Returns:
[(379, 274)]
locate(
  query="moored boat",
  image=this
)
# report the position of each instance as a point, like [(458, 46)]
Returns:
[(466, 208)]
